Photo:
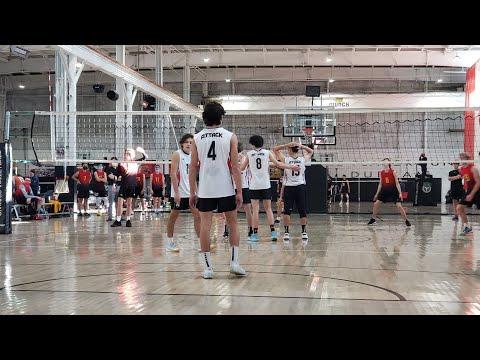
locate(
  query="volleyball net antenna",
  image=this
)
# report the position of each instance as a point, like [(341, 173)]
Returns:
[(348, 140)]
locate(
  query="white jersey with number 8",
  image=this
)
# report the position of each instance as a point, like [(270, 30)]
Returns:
[(258, 162), (213, 147)]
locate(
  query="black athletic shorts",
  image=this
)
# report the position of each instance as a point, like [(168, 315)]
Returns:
[(157, 192), (21, 200), (138, 191), (100, 191), (223, 204), (83, 191), (184, 205), (457, 194), (389, 194), (344, 191), (126, 191), (264, 194), (246, 195), (295, 195), (476, 200)]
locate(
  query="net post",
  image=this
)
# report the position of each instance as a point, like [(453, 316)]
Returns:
[(5, 188), (6, 127)]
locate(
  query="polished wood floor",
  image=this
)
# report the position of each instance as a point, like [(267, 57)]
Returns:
[(82, 266)]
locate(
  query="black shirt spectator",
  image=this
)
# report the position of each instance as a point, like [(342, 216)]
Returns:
[(34, 182), (423, 166), (115, 172), (455, 185)]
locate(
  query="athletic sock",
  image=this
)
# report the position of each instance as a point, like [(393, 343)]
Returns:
[(250, 231), (128, 218), (234, 255), (286, 229), (119, 218), (226, 229), (255, 230), (272, 227), (206, 260), (304, 228)]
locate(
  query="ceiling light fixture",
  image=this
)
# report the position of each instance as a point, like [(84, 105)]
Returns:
[(331, 80), (439, 80), (227, 80), (21, 86), (206, 60), (329, 57)]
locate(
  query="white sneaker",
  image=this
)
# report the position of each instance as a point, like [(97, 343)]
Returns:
[(286, 237), (172, 246), (236, 269), (207, 273), (304, 236)]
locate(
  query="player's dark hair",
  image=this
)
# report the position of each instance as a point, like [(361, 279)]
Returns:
[(256, 140), (295, 149), (212, 114), (344, 175), (389, 164), (185, 138)]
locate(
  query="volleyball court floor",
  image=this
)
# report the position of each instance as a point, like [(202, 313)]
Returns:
[(82, 266)]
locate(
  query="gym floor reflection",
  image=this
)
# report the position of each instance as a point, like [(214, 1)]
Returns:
[(82, 266)]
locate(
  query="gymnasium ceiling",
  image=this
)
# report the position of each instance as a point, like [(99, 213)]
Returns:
[(267, 63)]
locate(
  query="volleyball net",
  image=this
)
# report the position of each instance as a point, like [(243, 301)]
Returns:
[(349, 140)]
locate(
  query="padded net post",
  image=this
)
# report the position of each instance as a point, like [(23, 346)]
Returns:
[(5, 188)]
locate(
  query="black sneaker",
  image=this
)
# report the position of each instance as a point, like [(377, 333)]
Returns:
[(372, 221), (129, 223), (277, 221), (408, 223), (116, 223), (80, 214), (87, 214), (225, 235)]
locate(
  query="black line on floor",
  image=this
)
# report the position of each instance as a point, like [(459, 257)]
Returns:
[(399, 296)]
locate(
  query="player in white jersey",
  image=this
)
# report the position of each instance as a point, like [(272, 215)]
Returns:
[(180, 189), (294, 185), (258, 161), (215, 159), (247, 206)]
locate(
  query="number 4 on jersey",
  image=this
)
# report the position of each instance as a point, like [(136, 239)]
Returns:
[(211, 152)]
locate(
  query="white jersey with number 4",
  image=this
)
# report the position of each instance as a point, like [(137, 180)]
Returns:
[(182, 175), (292, 177), (213, 147), (258, 162)]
